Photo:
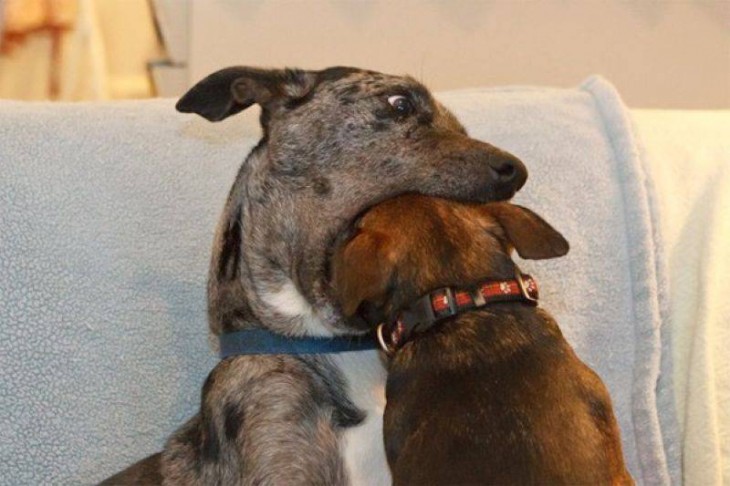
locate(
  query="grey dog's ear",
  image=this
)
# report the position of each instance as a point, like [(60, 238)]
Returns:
[(231, 90), (531, 236)]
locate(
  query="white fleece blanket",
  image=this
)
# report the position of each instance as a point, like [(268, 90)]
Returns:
[(106, 217), (689, 156)]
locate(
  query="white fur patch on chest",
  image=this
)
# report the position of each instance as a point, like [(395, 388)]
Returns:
[(289, 302), (363, 448)]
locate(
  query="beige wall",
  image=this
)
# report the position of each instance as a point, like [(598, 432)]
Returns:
[(660, 54)]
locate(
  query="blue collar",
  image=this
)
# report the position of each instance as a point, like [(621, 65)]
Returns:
[(263, 341)]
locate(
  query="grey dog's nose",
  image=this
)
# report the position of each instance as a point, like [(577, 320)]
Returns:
[(508, 169)]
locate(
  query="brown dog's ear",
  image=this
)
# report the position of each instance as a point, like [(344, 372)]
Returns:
[(362, 272), (231, 90), (531, 236)]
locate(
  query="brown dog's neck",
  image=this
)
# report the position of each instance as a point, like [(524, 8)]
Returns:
[(438, 306), (496, 267), (502, 331)]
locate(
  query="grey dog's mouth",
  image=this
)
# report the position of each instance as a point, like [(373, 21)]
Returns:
[(491, 194)]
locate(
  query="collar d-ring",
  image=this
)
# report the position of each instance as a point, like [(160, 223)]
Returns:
[(381, 340)]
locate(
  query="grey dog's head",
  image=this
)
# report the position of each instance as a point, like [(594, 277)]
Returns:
[(335, 142)]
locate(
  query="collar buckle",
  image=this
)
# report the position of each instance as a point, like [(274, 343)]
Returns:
[(524, 286)]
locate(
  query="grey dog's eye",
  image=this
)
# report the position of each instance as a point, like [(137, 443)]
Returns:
[(401, 104)]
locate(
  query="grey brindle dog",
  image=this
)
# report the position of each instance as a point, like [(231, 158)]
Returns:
[(335, 142)]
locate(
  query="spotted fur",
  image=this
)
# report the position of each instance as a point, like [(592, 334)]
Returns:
[(332, 146)]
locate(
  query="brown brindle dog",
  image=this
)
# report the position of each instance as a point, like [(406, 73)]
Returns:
[(493, 394)]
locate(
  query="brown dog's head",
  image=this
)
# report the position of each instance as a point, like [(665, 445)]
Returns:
[(411, 245), (335, 142)]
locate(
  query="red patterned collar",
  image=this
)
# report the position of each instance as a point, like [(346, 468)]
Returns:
[(447, 302)]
